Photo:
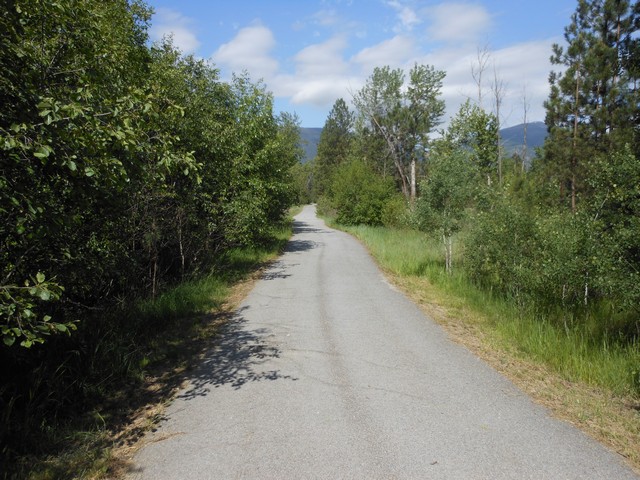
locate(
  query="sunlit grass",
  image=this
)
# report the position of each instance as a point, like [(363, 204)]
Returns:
[(208, 292), (195, 296)]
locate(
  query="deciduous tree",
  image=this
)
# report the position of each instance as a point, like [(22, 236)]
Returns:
[(404, 118)]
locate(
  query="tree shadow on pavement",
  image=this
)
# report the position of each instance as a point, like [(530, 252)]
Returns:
[(235, 360), (296, 246), (277, 270), (303, 227)]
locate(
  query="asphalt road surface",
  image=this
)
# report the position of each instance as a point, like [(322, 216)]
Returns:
[(328, 372)]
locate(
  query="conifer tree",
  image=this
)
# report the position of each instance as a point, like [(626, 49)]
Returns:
[(334, 144), (593, 104)]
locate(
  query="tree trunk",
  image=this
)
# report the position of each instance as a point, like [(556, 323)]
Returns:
[(525, 151), (413, 180), (448, 252), (154, 276), (574, 153), (182, 259)]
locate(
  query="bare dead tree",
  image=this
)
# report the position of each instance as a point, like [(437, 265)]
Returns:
[(525, 121), (498, 89), (483, 56)]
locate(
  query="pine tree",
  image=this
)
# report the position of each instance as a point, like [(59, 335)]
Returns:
[(334, 144), (592, 107)]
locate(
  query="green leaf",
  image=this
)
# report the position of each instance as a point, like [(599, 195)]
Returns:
[(72, 165), (40, 277), (26, 343), (61, 327), (8, 341), (42, 152), (89, 172), (44, 294)]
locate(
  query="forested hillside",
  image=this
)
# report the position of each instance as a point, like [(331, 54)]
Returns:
[(559, 239), (310, 138), (126, 168)]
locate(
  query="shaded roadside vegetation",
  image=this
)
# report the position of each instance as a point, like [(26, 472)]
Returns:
[(545, 250), (135, 186), (139, 358)]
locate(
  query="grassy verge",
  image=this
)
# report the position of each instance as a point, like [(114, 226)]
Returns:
[(583, 376), (150, 356)]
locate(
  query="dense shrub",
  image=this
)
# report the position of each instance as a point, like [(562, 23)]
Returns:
[(359, 195), (125, 169), (502, 249), (396, 212)]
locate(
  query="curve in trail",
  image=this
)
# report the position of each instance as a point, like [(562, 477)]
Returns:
[(326, 371)]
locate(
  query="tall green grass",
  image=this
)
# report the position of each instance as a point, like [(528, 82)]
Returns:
[(209, 291), (590, 351), (191, 297)]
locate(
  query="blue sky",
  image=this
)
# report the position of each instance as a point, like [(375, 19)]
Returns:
[(311, 52)]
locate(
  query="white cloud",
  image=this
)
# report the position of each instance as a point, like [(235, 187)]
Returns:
[(321, 74), (319, 91), (516, 66), (324, 71), (168, 22), (321, 59), (322, 92), (395, 52), (524, 64), (249, 50), (326, 18), (406, 15), (458, 22)]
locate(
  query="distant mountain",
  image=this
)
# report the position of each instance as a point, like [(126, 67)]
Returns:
[(512, 138), (310, 138)]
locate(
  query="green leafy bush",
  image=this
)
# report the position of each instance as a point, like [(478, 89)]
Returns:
[(125, 169), (359, 194), (396, 212)]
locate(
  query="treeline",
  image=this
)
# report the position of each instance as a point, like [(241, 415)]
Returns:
[(560, 238), (125, 169)]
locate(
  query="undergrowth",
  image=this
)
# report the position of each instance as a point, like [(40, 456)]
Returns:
[(61, 411)]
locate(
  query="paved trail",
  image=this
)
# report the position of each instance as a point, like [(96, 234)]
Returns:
[(328, 372)]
